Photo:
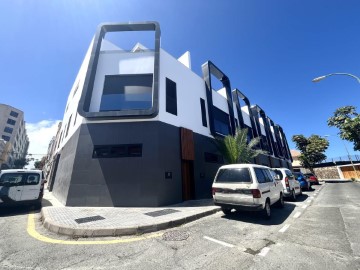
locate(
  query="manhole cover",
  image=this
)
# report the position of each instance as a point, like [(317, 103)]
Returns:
[(175, 236)]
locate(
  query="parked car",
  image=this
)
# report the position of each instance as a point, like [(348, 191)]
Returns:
[(291, 187), (312, 178), (21, 186), (248, 187), (301, 178)]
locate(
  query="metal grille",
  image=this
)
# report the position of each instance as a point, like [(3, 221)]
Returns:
[(161, 212), (88, 219)]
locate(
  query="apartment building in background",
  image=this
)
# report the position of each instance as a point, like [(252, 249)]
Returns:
[(139, 125), (13, 134)]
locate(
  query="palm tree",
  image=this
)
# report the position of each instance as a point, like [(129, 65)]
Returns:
[(236, 149)]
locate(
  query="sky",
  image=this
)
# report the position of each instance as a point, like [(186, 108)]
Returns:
[(270, 50)]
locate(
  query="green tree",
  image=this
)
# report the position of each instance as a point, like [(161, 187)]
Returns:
[(312, 150), (347, 120), (39, 164), (236, 149), (20, 163)]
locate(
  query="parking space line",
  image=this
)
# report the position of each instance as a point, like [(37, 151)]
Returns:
[(33, 233), (219, 242), (304, 206), (309, 201), (264, 251), (283, 229), (297, 214)]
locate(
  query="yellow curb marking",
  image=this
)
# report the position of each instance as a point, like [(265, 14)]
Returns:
[(32, 232)]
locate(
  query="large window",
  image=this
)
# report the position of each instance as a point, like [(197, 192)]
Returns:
[(8, 130), (127, 92), (117, 151), (171, 100), (6, 138), (14, 114), (11, 122), (221, 121)]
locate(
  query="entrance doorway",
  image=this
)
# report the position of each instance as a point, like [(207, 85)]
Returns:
[(187, 163), (188, 184)]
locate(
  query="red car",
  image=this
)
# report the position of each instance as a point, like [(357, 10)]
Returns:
[(312, 178)]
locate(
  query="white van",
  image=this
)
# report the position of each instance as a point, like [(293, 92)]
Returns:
[(249, 187), (26, 186), (291, 187)]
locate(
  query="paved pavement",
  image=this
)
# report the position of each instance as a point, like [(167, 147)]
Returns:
[(116, 221)]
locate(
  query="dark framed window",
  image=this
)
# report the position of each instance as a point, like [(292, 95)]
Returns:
[(8, 130), (68, 126), (6, 138), (221, 121), (31, 179), (11, 122), (203, 112), (75, 118), (171, 100), (117, 151), (213, 158), (127, 92), (261, 177), (14, 114)]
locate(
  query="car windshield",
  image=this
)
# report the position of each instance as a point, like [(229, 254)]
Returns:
[(233, 175)]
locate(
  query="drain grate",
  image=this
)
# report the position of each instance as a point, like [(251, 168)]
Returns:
[(175, 236), (89, 219), (161, 212)]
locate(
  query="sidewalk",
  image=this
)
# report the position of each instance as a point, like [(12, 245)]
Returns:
[(117, 221)]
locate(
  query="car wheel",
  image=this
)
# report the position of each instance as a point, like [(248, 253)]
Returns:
[(267, 210), (281, 202), (226, 211), (293, 195)]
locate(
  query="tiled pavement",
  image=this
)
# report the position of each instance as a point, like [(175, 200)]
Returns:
[(114, 221)]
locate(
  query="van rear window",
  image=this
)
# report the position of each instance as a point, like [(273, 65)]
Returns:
[(241, 175)]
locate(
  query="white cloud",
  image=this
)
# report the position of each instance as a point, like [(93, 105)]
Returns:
[(40, 135)]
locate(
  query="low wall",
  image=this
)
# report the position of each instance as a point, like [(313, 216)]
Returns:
[(327, 173)]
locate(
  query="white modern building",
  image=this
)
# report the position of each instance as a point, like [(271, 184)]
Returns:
[(139, 126), (13, 134)]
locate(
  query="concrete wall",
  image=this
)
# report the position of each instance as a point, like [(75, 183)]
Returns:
[(137, 181)]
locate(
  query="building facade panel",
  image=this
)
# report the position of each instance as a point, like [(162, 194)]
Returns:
[(114, 150)]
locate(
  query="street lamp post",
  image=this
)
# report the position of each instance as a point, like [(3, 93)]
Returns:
[(347, 151), (317, 79)]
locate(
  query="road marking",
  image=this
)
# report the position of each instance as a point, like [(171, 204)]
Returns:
[(33, 233), (283, 229), (309, 201), (304, 206), (297, 214), (219, 242), (264, 251)]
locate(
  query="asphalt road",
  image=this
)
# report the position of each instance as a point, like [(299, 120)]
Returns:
[(319, 231)]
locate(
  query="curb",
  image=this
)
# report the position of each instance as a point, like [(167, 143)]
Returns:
[(120, 231)]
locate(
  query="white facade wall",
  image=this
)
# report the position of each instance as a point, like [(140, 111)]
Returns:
[(262, 127), (246, 115), (189, 89)]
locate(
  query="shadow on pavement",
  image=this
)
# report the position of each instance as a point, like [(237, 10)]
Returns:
[(278, 216), (301, 198), (22, 209), (16, 210)]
